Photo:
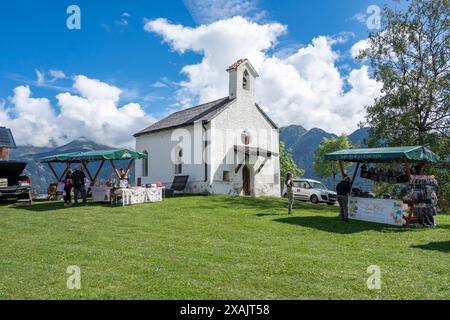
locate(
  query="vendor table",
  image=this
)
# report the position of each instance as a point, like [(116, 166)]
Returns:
[(386, 211), (101, 194), (139, 195)]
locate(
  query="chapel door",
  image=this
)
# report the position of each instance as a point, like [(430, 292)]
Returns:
[(246, 180)]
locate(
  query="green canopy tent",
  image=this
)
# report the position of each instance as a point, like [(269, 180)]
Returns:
[(407, 155), (90, 156)]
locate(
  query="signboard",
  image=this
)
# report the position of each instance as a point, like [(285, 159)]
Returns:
[(385, 211), (101, 194)]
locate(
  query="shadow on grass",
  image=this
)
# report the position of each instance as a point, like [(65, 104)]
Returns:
[(6, 202), (266, 203), (334, 225), (269, 214), (443, 246), (38, 206)]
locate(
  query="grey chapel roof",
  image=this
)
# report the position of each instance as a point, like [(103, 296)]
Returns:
[(204, 112)]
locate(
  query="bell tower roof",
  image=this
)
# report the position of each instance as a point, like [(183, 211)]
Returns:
[(240, 62)]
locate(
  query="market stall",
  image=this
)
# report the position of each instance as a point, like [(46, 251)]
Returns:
[(418, 206), (120, 193)]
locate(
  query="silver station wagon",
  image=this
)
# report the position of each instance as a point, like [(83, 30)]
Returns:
[(312, 190)]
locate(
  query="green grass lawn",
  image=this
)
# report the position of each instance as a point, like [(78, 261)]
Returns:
[(215, 247)]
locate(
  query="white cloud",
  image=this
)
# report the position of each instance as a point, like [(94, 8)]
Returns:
[(220, 43), (304, 87), (32, 120), (159, 84), (49, 82), (94, 114), (358, 47), (94, 89), (57, 74), (207, 11), (123, 21), (3, 113), (40, 81), (361, 17)]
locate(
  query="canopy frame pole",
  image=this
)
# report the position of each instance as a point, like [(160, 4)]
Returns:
[(98, 170), (115, 169), (354, 174), (341, 168), (408, 168), (409, 217), (128, 168), (53, 171), (85, 163), (65, 171)]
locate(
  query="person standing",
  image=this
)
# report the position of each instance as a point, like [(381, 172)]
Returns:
[(68, 183), (343, 190), (79, 178), (290, 193), (124, 181)]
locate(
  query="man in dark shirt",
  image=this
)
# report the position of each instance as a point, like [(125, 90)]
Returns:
[(78, 178), (343, 190)]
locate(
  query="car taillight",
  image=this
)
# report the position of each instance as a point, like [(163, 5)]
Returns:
[(24, 181)]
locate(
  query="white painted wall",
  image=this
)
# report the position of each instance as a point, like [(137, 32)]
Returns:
[(160, 146)]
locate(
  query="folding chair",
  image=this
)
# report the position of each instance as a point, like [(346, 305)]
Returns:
[(179, 184)]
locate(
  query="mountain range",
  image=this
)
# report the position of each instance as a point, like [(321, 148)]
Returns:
[(302, 142)]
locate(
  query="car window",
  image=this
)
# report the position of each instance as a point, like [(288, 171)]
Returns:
[(317, 185), (296, 184), (304, 185)]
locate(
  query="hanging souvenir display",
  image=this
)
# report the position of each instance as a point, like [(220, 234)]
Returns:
[(423, 195)]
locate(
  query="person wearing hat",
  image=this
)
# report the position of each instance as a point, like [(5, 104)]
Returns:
[(79, 178), (343, 190), (289, 182)]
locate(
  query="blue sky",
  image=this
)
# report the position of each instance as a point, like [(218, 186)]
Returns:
[(113, 47)]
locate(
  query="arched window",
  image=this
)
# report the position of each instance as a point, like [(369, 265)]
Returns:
[(179, 161), (245, 138), (246, 80), (145, 164)]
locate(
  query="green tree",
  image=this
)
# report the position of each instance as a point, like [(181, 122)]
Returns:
[(287, 163), (410, 55), (325, 168)]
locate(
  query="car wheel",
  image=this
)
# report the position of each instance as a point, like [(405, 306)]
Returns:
[(285, 195), (314, 199)]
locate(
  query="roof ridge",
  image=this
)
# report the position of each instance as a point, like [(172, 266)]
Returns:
[(197, 106), (187, 116)]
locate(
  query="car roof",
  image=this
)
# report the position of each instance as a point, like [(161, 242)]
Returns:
[(307, 180)]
